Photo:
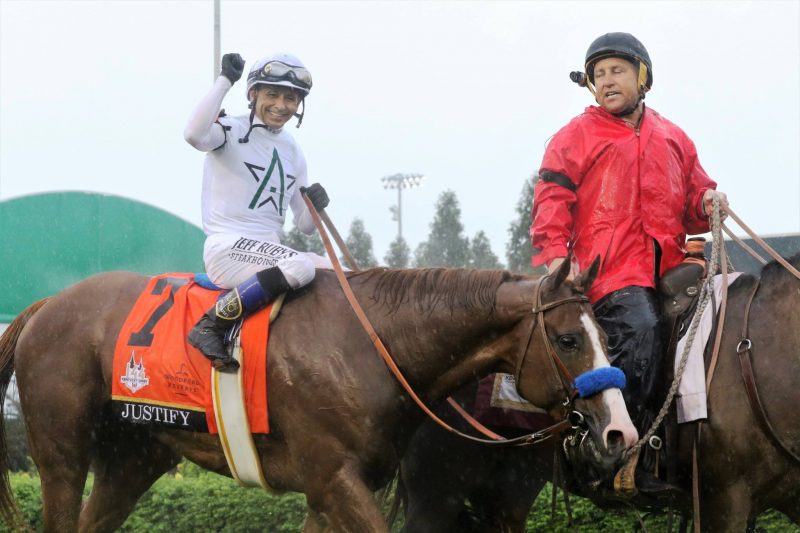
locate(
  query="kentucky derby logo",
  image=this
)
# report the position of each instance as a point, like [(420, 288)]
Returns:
[(134, 377)]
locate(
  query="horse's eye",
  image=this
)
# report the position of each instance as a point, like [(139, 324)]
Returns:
[(568, 343)]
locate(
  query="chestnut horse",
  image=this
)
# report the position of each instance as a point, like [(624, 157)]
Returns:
[(743, 470), (339, 420)]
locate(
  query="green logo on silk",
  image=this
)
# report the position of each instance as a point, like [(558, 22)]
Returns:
[(256, 202)]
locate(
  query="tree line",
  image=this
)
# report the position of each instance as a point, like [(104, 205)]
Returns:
[(446, 245)]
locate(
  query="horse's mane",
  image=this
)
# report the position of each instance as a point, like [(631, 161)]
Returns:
[(425, 288), (772, 271)]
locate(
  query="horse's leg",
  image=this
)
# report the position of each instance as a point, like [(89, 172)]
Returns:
[(60, 416), (434, 486), (131, 464), (313, 523), (433, 509), (726, 510), (792, 511), (346, 503), (508, 505)]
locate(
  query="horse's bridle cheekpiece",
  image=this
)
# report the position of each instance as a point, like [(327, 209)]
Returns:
[(586, 384)]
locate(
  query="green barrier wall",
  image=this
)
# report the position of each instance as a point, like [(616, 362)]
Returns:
[(50, 241)]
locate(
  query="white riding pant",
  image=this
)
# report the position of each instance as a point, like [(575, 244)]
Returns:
[(231, 259)]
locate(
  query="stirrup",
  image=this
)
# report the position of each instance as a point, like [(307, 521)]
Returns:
[(229, 363), (624, 481)]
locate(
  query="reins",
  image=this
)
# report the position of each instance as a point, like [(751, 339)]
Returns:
[(758, 240), (494, 439)]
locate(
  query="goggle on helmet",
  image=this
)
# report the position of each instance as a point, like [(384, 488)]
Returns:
[(282, 69)]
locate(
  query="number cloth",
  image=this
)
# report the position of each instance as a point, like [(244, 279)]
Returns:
[(159, 379)]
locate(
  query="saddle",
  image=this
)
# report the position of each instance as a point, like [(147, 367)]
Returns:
[(679, 290)]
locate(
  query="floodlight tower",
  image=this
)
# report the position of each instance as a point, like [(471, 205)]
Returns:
[(216, 39), (400, 182)]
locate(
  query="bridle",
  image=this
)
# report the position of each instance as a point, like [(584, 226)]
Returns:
[(566, 379), (557, 365)]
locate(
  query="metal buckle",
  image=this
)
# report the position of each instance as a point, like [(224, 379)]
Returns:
[(655, 442), (577, 438), (742, 342), (577, 419)]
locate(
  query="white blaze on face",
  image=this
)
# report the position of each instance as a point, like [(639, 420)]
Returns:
[(612, 398)]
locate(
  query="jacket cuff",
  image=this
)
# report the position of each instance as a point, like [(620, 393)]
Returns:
[(547, 255), (701, 212)]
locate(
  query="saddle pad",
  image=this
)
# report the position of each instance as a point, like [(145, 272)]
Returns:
[(691, 400), (159, 379), (497, 403)]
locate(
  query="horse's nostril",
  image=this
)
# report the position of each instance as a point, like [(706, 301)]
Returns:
[(615, 440)]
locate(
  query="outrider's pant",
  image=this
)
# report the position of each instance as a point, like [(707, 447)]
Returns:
[(630, 318)]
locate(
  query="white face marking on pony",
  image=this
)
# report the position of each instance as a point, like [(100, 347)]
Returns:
[(612, 398), (600, 359)]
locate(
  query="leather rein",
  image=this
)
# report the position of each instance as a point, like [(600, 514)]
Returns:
[(566, 379), (743, 350), (745, 345)]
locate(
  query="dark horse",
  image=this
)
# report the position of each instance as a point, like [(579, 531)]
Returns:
[(743, 471), (339, 420)]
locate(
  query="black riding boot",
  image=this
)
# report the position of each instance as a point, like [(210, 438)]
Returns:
[(208, 335), (631, 321)]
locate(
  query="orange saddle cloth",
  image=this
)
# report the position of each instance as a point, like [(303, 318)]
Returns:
[(158, 379)]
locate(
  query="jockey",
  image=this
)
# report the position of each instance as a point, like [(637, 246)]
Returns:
[(623, 183), (254, 170)]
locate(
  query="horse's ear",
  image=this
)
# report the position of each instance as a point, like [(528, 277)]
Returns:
[(584, 280), (563, 270)]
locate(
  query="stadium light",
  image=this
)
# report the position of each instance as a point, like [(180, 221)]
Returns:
[(400, 182)]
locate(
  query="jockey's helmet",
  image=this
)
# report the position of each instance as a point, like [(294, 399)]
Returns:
[(279, 69)]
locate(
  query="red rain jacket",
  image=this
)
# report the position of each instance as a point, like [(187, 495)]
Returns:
[(606, 190)]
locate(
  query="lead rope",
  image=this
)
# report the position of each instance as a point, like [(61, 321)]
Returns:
[(706, 291)]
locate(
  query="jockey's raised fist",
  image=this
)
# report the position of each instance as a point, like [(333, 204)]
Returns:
[(232, 67), (316, 193)]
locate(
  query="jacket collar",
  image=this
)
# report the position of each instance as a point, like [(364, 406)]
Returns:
[(645, 125)]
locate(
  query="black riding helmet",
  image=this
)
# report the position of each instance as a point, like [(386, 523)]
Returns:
[(618, 44)]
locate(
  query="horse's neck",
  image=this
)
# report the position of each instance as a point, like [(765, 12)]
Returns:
[(444, 348)]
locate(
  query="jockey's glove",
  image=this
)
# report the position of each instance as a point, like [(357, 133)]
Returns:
[(232, 67), (316, 193)]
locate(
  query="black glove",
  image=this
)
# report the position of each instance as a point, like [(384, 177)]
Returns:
[(232, 67), (317, 195)]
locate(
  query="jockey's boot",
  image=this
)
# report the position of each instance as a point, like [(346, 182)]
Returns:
[(208, 335)]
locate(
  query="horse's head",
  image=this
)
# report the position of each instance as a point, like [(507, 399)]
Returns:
[(563, 366)]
